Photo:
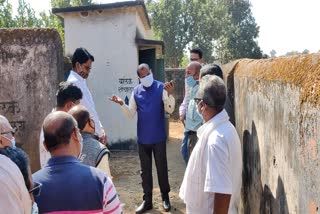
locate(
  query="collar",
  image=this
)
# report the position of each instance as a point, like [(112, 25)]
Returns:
[(77, 76), (86, 135), (214, 121), (62, 160)]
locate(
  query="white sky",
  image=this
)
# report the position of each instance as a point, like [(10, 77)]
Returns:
[(285, 25)]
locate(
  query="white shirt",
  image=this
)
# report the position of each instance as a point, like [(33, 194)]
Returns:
[(14, 195), (130, 111), (215, 166), (44, 154), (86, 100)]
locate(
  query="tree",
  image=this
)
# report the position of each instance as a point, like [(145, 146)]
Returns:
[(223, 29), (273, 53), (50, 20), (26, 16), (238, 38), (6, 19), (169, 24), (205, 20), (306, 51)]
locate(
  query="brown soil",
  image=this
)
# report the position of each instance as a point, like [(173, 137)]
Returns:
[(125, 169)]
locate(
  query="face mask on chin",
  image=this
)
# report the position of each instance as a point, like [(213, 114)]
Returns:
[(147, 80)]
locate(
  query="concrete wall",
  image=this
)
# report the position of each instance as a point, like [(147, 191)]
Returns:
[(176, 74), (110, 37), (31, 66), (277, 117)]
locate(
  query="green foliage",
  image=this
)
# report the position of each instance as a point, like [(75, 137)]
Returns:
[(184, 61), (224, 29), (292, 53), (26, 16), (168, 21), (52, 21), (6, 19), (238, 39)]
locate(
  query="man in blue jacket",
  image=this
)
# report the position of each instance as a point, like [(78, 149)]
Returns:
[(150, 100)]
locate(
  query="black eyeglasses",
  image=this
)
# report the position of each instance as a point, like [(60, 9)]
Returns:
[(36, 189), (197, 100), (12, 132)]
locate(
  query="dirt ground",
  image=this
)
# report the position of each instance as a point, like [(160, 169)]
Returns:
[(125, 169)]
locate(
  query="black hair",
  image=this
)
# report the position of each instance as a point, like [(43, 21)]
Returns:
[(67, 92), (61, 135), (197, 51), (81, 55), (212, 69), (20, 158)]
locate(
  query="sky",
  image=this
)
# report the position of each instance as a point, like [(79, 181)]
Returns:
[(285, 25)]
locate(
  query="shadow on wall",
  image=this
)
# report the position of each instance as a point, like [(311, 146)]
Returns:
[(229, 80), (258, 198)]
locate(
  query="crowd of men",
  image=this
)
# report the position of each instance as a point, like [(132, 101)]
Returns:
[(75, 175)]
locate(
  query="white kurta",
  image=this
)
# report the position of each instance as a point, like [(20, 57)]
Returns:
[(86, 100), (215, 166)]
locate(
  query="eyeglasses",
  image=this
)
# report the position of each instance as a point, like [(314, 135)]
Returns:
[(197, 100), (36, 189), (193, 59), (12, 132)]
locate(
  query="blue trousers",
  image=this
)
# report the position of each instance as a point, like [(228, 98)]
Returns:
[(184, 148)]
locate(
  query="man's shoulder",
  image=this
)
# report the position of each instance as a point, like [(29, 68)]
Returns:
[(224, 133)]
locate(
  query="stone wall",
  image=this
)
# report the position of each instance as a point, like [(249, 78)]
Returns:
[(31, 65), (277, 116), (176, 74)]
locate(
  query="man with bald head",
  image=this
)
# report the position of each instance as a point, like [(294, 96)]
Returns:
[(150, 100), (94, 153), (193, 117), (6, 133), (68, 185)]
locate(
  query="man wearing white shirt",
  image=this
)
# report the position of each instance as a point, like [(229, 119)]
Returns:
[(150, 100), (68, 95), (212, 181), (81, 67)]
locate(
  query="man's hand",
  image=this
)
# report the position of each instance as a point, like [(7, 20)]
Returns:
[(182, 119), (103, 138), (169, 87), (116, 99)]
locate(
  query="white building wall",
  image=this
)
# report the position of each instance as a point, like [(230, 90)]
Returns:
[(110, 38)]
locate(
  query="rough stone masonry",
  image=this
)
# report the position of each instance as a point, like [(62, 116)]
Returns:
[(277, 110), (31, 66)]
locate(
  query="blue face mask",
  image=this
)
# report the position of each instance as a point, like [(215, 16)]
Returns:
[(190, 81), (13, 142)]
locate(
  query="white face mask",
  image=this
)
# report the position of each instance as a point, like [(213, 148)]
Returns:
[(147, 80), (35, 209), (13, 141), (81, 144)]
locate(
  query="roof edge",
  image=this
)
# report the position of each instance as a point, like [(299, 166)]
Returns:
[(114, 5)]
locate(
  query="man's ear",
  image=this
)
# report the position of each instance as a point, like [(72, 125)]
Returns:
[(1, 145), (45, 146), (68, 105)]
